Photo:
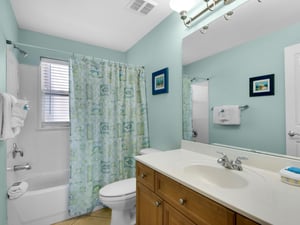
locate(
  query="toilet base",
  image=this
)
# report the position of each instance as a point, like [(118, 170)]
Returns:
[(123, 217)]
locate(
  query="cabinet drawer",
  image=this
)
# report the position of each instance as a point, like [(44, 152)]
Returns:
[(145, 175), (198, 208)]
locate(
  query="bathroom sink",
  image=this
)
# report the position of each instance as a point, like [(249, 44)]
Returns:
[(214, 175)]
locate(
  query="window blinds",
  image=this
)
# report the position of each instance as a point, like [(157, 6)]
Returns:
[(55, 91)]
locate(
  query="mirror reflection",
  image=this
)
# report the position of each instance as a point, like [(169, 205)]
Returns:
[(217, 67)]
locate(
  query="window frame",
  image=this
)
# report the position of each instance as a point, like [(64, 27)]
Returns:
[(42, 125)]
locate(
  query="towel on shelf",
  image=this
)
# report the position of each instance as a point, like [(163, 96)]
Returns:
[(13, 115), (227, 115)]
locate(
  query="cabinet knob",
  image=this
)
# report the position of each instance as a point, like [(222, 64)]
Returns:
[(143, 175), (182, 201), (157, 203)]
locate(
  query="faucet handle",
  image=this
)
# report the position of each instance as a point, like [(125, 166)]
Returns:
[(222, 153), (223, 159), (16, 150), (239, 158)]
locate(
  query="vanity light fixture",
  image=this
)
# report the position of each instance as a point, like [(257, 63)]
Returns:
[(182, 7)]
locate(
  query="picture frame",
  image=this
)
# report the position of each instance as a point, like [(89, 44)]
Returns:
[(261, 85), (160, 81)]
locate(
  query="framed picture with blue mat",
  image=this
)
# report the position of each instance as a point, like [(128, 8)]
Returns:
[(261, 86), (160, 81)]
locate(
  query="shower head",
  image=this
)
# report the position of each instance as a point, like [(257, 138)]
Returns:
[(25, 54)]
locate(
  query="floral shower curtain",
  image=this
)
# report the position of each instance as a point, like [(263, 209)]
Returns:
[(187, 108), (108, 127)]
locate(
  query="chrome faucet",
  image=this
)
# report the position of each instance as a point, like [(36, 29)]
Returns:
[(237, 164), (27, 166), (224, 161), (230, 164), (17, 150)]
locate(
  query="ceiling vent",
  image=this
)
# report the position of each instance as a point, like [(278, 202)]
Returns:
[(141, 6)]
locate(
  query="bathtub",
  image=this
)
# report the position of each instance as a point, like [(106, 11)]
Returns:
[(44, 203)]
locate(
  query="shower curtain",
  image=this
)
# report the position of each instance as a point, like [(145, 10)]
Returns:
[(187, 108), (108, 127)]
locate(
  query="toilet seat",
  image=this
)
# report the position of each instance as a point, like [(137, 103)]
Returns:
[(119, 190)]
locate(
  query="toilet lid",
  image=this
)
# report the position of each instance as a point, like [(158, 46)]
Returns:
[(119, 188)]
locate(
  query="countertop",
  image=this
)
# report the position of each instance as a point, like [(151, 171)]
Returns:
[(264, 199)]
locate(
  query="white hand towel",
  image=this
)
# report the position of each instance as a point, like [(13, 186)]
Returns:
[(19, 114), (13, 116), (227, 115), (19, 108), (6, 107)]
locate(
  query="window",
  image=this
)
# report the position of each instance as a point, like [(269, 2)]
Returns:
[(54, 93)]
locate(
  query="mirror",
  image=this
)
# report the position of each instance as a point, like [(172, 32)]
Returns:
[(249, 44)]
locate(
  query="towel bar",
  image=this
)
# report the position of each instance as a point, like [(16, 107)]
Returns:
[(242, 107)]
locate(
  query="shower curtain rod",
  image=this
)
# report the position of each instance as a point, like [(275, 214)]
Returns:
[(36, 46), (61, 51)]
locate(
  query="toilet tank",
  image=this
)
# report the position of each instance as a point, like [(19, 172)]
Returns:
[(146, 151)]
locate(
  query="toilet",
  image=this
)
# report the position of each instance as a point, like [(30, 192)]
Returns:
[(120, 196)]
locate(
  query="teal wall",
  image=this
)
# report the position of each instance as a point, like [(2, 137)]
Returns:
[(68, 46), (8, 29), (263, 124), (159, 49)]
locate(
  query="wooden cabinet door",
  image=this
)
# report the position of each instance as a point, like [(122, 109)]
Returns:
[(149, 207), (241, 220), (173, 217)]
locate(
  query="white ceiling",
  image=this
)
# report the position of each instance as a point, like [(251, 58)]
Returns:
[(250, 20), (106, 23), (110, 24)]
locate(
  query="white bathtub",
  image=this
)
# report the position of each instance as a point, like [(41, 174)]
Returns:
[(44, 203)]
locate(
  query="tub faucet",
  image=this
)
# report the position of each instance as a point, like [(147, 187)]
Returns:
[(17, 150), (27, 166), (230, 164)]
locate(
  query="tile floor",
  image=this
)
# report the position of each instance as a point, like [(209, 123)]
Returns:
[(99, 217)]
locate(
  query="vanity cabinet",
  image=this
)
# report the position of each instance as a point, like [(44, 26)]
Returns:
[(173, 217), (241, 220), (162, 200), (195, 206), (149, 206)]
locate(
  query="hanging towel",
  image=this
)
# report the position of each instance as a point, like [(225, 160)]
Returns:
[(226, 115), (13, 114), (19, 113), (6, 106)]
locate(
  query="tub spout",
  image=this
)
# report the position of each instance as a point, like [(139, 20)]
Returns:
[(27, 166)]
